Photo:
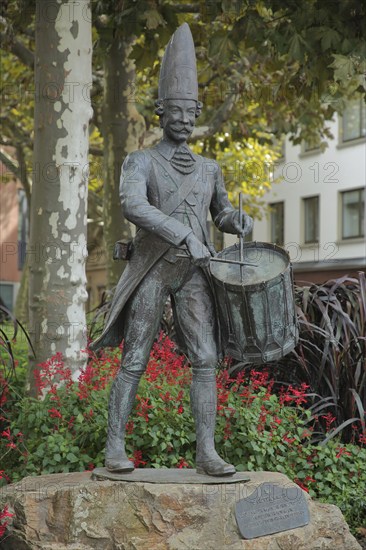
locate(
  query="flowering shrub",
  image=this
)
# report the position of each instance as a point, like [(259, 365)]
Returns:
[(330, 356), (4, 515), (256, 429)]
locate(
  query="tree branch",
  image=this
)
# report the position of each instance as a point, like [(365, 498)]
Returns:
[(6, 142), (18, 133), (221, 115), (17, 48), (208, 82), (185, 8), (10, 164), (97, 86), (96, 151), (23, 172)]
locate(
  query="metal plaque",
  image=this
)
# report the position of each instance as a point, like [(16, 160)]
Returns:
[(271, 509)]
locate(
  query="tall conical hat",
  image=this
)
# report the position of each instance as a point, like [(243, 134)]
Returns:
[(178, 73)]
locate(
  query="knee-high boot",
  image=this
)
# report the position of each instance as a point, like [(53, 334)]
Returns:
[(203, 403), (121, 400)]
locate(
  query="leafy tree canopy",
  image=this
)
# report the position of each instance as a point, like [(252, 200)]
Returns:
[(266, 68)]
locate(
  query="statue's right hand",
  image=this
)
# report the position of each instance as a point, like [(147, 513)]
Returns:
[(199, 253)]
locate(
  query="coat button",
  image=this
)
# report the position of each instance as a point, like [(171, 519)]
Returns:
[(166, 174)]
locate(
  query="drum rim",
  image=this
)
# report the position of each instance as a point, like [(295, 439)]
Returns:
[(263, 284)]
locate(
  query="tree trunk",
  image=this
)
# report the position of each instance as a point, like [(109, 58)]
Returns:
[(57, 247), (122, 128), (21, 309)]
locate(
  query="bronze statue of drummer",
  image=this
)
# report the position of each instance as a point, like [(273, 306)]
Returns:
[(167, 192)]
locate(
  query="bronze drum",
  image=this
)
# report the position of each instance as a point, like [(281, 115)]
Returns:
[(256, 303)]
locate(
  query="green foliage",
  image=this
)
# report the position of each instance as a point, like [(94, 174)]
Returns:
[(14, 342), (256, 429), (281, 66), (247, 167)]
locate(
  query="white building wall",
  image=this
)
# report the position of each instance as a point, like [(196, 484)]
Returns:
[(340, 167)]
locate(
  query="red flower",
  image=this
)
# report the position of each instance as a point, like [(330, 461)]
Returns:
[(54, 413), (129, 427), (143, 407), (289, 440), (166, 397), (6, 433), (329, 419), (342, 451), (3, 522), (258, 379), (71, 422), (137, 459), (301, 484), (182, 463), (3, 475)]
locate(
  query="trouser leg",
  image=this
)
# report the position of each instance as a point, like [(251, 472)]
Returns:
[(194, 308), (204, 405), (143, 314), (121, 400)]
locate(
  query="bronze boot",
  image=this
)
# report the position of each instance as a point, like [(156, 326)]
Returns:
[(121, 401), (203, 404)]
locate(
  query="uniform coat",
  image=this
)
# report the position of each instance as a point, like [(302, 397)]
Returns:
[(154, 197)]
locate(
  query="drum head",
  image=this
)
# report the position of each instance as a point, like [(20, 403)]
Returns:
[(270, 261)]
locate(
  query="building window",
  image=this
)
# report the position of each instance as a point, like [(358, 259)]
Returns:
[(248, 237), (277, 222), (354, 120), (353, 212), (311, 219), (7, 295), (311, 146), (216, 236), (101, 290)]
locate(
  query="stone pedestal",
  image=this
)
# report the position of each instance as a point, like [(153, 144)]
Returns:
[(76, 512)]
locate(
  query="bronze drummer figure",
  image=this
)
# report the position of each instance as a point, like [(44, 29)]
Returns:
[(167, 192)]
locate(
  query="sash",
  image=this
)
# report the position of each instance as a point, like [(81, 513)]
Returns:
[(171, 203)]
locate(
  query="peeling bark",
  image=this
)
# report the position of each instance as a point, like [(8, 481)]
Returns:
[(57, 247), (122, 128)]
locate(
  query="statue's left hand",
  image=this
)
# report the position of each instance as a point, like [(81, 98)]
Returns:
[(247, 224), (200, 255)]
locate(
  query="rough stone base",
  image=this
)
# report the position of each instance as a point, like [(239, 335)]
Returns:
[(74, 512)]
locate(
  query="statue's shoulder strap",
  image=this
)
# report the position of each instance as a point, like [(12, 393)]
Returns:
[(183, 190)]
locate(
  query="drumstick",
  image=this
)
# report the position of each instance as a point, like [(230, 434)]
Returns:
[(213, 259)]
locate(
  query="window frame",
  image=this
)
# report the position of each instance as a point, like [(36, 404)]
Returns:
[(11, 287), (305, 201), (307, 149), (271, 222), (362, 112), (361, 214)]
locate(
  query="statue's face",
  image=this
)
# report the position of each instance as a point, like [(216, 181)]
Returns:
[(179, 119)]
